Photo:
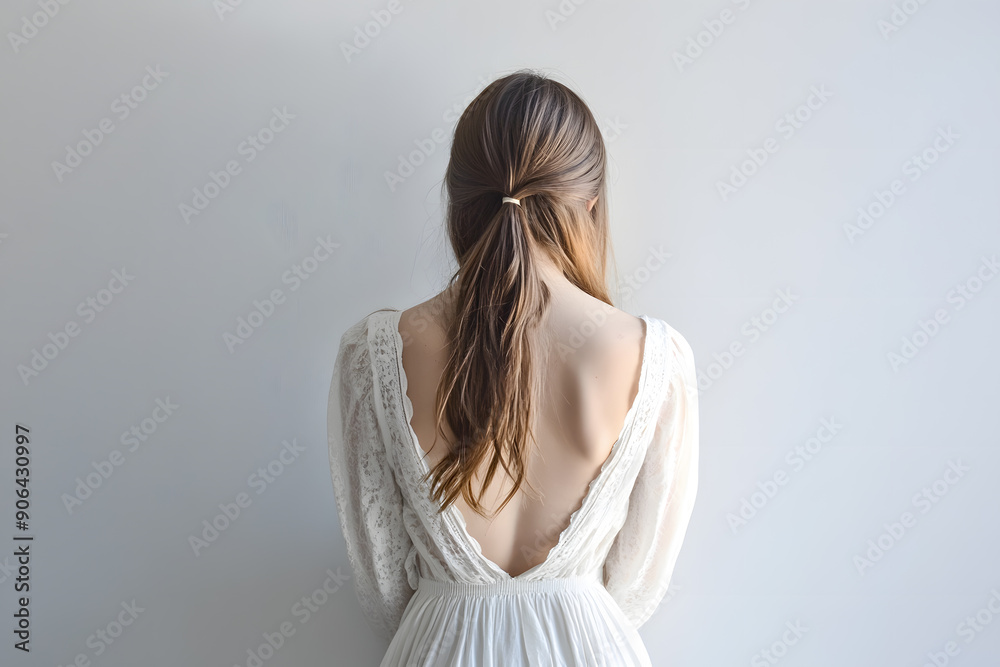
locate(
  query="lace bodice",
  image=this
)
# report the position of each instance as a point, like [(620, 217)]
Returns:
[(629, 527)]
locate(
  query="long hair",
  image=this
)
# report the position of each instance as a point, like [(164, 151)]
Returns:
[(531, 138)]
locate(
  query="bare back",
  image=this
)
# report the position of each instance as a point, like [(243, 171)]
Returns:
[(591, 380)]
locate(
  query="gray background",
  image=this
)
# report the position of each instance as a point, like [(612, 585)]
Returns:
[(675, 131)]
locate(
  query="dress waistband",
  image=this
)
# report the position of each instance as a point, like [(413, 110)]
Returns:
[(513, 586)]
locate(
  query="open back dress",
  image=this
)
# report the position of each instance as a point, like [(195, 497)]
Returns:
[(422, 579)]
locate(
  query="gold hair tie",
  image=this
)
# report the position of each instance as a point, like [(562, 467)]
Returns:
[(511, 199)]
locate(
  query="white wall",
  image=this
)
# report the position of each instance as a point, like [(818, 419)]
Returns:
[(675, 131)]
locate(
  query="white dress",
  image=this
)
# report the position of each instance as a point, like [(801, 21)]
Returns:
[(422, 579)]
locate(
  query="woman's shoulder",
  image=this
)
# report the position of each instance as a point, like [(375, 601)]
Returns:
[(669, 332), (677, 356), (355, 337)]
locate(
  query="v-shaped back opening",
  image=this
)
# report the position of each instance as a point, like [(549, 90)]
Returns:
[(454, 514)]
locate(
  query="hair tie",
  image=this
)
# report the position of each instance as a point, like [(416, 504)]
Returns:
[(511, 199)]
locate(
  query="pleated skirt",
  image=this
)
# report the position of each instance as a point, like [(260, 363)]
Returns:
[(565, 622)]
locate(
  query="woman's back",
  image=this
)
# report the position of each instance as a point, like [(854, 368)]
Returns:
[(591, 378), (422, 576), (582, 417)]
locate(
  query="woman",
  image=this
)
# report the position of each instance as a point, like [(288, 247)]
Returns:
[(515, 460)]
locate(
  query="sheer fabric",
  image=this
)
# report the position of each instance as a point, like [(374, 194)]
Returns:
[(422, 580)]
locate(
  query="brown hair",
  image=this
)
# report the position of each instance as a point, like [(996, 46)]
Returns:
[(531, 138)]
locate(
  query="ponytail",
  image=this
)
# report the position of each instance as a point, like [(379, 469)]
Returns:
[(526, 158), (500, 303)]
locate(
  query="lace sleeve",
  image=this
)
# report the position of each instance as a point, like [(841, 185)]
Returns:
[(641, 561), (369, 502)]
